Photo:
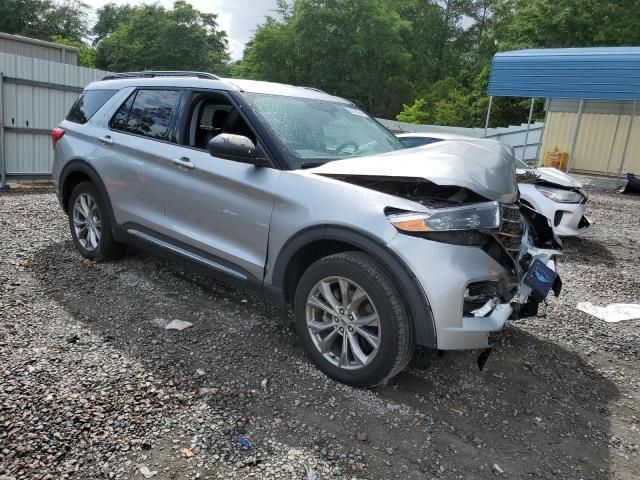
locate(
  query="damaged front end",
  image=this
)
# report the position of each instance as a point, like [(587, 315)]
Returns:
[(504, 231), (462, 194)]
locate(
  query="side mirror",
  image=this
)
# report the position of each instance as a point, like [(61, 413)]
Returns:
[(238, 148)]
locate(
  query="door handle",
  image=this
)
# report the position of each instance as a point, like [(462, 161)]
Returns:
[(183, 162), (106, 140)]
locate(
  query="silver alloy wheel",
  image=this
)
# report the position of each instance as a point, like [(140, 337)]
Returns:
[(86, 222), (343, 323)]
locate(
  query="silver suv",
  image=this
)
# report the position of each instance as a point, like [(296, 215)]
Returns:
[(380, 249)]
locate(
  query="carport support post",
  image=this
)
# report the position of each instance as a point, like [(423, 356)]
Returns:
[(613, 142), (626, 142), (3, 162), (526, 135), (576, 130), (486, 123), (544, 126)]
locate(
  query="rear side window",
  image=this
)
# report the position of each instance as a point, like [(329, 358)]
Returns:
[(147, 112), (89, 102)]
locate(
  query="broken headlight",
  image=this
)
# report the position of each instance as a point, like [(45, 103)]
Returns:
[(559, 195), (478, 216)]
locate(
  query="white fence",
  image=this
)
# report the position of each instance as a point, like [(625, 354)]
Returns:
[(34, 96), (513, 135)]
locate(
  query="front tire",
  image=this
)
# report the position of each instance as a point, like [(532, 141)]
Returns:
[(352, 321), (90, 224)]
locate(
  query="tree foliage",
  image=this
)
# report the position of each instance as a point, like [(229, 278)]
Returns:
[(355, 48), (426, 61), (151, 37), (45, 19), (86, 55)]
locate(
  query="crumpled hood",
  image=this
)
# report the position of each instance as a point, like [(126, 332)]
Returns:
[(553, 175), (485, 167)]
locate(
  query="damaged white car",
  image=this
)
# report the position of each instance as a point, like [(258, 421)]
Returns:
[(548, 191)]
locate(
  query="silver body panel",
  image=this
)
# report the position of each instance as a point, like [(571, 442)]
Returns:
[(245, 215)]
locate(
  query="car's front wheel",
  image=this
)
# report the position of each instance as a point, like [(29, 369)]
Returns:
[(352, 321), (90, 225)]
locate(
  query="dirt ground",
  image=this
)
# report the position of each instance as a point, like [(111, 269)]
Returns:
[(92, 385)]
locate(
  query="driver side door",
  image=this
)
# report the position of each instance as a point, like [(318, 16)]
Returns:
[(218, 209)]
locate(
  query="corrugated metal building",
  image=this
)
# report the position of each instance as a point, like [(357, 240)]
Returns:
[(33, 48), (35, 95), (591, 98)]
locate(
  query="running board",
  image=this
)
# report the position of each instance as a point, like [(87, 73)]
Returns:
[(185, 253)]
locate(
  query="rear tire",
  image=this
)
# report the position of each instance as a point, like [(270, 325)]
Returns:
[(90, 224), (366, 318)]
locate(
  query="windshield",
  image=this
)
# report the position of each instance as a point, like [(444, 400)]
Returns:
[(520, 165), (318, 131)]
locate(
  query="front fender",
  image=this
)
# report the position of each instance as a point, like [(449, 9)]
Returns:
[(407, 285)]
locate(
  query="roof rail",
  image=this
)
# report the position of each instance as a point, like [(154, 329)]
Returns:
[(159, 73)]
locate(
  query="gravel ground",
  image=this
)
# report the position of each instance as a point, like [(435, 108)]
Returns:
[(92, 386)]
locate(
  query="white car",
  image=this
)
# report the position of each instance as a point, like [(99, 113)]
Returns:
[(548, 191)]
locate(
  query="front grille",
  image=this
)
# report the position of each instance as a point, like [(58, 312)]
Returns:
[(512, 229)]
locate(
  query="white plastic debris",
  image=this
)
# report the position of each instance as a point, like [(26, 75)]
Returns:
[(486, 309), (146, 473), (178, 325), (311, 473), (616, 312)]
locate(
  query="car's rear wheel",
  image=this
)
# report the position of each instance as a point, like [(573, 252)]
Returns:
[(352, 321), (90, 225)]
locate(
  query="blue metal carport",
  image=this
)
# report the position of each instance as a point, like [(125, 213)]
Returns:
[(605, 73)]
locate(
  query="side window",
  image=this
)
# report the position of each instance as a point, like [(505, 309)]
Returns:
[(211, 115), (146, 112), (119, 120), (89, 102), (151, 112)]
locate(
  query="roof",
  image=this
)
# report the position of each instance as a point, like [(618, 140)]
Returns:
[(184, 81), (35, 41), (606, 73)]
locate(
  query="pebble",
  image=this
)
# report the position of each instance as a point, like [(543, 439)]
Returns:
[(92, 386)]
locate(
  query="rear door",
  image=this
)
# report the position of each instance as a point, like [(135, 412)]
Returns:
[(137, 145), (219, 208)]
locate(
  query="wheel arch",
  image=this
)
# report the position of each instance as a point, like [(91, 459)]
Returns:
[(76, 171), (311, 244)]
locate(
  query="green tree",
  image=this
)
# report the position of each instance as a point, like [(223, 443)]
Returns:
[(86, 55), (570, 23), (155, 38), (110, 17), (352, 48), (44, 19), (422, 39)]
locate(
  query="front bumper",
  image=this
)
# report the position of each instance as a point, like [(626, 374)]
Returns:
[(445, 272), (567, 219)]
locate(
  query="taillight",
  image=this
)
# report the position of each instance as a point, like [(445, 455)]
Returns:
[(56, 134)]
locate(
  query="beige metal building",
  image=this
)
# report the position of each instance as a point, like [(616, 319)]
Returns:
[(603, 132), (33, 48)]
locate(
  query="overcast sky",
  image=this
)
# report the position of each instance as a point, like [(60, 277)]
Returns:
[(237, 17)]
